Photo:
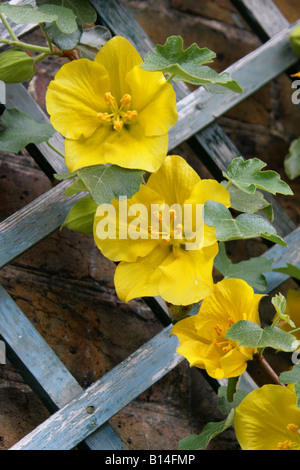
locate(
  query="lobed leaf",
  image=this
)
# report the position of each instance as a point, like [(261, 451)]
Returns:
[(188, 65), (249, 203), (290, 269), (244, 226), (19, 130), (210, 430), (22, 14), (250, 335), (106, 182), (247, 176), (250, 270)]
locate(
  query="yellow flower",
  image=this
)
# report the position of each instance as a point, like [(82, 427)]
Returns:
[(268, 419), (202, 336), (161, 253), (293, 310), (110, 110)]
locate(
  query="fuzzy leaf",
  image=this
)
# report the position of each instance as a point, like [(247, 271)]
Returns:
[(247, 176), (250, 270), (292, 160), (19, 130), (188, 65), (291, 270), (244, 226), (95, 37), (108, 182), (251, 335), (81, 216), (279, 303), (82, 9), (249, 203), (210, 430), (22, 14)]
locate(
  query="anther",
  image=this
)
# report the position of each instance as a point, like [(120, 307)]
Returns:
[(294, 428), (110, 100), (126, 100), (218, 330), (104, 117), (285, 445), (118, 125)]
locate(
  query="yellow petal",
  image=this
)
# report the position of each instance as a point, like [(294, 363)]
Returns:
[(135, 279), (127, 249), (133, 149), (209, 190), (154, 99), (191, 350), (175, 180), (186, 330), (118, 56), (129, 149), (187, 275), (75, 96), (262, 418)]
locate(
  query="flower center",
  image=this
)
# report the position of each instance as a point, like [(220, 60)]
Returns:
[(221, 342), (119, 114), (289, 444), (285, 445), (169, 229)]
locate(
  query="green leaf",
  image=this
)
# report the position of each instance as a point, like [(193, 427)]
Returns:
[(292, 160), (279, 303), (81, 216), (290, 270), (226, 406), (65, 42), (66, 19), (106, 182), (95, 37), (82, 9), (250, 270), (19, 130), (248, 203), (77, 186), (22, 14), (244, 226), (251, 335), (247, 176), (187, 65), (210, 430)]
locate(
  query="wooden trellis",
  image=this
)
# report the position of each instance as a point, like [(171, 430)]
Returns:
[(83, 415)]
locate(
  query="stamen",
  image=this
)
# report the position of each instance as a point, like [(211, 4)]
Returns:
[(130, 115), (126, 100), (227, 348), (294, 428), (285, 445), (218, 330), (118, 125), (230, 321), (104, 117), (110, 100)]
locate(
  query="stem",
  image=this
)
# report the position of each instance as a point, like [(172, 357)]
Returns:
[(267, 368), (29, 47), (47, 37), (4, 21), (228, 184), (55, 149), (40, 57), (294, 331), (170, 77)]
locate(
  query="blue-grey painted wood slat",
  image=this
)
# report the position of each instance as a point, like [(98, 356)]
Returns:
[(263, 15), (43, 370), (124, 383)]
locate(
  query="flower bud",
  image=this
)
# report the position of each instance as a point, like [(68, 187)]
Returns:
[(295, 40), (16, 66)]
